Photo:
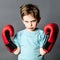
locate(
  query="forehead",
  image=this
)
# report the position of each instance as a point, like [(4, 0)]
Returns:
[(28, 18)]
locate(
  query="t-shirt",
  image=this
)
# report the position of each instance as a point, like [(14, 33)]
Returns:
[(30, 43)]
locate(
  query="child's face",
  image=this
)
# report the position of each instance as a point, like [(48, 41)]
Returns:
[(30, 22)]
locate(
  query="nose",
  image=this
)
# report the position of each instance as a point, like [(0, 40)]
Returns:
[(30, 23)]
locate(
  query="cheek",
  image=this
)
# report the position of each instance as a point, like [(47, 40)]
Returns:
[(35, 24), (26, 25)]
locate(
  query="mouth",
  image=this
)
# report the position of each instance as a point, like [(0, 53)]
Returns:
[(31, 28)]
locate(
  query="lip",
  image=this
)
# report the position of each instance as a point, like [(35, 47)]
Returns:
[(30, 28)]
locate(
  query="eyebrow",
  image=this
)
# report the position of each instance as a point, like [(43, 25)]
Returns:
[(30, 21), (33, 20)]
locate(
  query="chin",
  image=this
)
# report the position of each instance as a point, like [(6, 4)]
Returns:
[(30, 29)]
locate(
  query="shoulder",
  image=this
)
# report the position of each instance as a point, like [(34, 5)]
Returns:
[(19, 33), (42, 34), (41, 31)]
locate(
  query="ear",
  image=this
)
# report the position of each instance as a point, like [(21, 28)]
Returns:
[(39, 19)]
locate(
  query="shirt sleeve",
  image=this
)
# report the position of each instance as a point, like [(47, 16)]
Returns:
[(43, 39), (17, 40)]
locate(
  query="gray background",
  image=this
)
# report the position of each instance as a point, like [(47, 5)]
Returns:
[(9, 14)]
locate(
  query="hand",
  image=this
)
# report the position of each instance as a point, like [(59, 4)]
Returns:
[(51, 30), (7, 33)]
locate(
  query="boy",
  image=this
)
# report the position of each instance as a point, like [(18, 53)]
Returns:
[(30, 41)]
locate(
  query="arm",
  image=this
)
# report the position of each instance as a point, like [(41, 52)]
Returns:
[(51, 30), (17, 51), (42, 52)]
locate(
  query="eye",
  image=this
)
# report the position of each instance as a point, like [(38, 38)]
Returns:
[(33, 20), (26, 21)]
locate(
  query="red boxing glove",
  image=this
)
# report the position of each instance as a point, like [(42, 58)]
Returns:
[(8, 32), (51, 30)]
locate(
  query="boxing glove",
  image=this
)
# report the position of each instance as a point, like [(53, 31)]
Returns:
[(7, 33), (51, 30)]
